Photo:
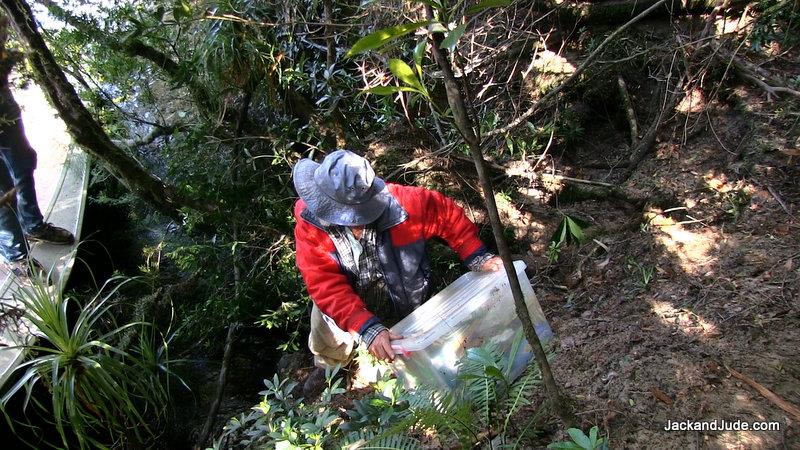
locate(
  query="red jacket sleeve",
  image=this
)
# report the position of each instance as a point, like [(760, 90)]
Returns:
[(445, 219), (327, 285)]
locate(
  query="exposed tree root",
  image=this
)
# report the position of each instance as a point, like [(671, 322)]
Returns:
[(223, 378), (630, 113), (770, 84), (645, 145)]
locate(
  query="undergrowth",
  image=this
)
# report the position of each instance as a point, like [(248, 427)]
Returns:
[(482, 409)]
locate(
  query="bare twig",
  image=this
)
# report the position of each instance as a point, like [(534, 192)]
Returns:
[(794, 411), (780, 201)]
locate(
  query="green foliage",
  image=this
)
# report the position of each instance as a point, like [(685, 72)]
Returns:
[(775, 21), (391, 416), (735, 202), (486, 398), (553, 251), (569, 128), (643, 272), (385, 407), (569, 231), (382, 37), (484, 4), (283, 421), (97, 383), (530, 141), (580, 441), (288, 316)]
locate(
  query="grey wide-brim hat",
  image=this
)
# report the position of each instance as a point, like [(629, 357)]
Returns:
[(342, 190)]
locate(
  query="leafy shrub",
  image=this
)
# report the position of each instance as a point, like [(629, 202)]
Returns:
[(97, 385), (391, 416), (775, 21)]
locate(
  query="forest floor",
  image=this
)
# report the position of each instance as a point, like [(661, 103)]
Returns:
[(650, 317), (666, 310)]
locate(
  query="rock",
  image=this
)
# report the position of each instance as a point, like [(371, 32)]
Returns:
[(291, 363)]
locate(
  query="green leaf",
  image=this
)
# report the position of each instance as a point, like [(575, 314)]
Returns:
[(593, 436), (381, 37), (181, 9), (480, 356), (516, 344), (419, 53), (560, 235), (575, 230), (580, 438), (494, 372), (405, 74), (452, 37), (487, 4)]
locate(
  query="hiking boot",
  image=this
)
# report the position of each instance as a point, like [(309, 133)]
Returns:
[(47, 232)]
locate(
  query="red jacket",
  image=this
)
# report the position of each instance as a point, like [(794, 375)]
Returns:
[(415, 216)]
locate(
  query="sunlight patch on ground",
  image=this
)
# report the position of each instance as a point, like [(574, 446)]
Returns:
[(726, 25), (524, 223), (740, 440), (551, 62), (693, 101), (694, 249), (688, 322), (377, 149), (719, 182)]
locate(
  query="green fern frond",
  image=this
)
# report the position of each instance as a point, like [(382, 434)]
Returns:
[(458, 423), (395, 442), (521, 391), (368, 440)]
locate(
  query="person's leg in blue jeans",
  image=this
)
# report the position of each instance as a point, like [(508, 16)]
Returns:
[(20, 162), (13, 246)]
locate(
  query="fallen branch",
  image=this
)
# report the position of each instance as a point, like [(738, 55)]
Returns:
[(578, 72), (766, 393), (630, 113), (780, 201), (643, 146), (757, 75), (223, 379)]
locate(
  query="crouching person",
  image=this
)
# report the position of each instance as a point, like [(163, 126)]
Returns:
[(361, 252)]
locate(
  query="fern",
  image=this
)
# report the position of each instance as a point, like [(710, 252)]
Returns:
[(368, 440), (481, 372), (521, 392)]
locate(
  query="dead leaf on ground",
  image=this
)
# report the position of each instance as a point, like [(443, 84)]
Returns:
[(662, 396)]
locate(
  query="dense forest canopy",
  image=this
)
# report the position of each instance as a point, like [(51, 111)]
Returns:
[(601, 121)]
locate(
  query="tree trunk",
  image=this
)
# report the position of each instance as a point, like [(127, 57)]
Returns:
[(80, 123), (465, 126)]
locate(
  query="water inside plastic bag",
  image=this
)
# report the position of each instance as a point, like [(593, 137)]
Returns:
[(476, 309)]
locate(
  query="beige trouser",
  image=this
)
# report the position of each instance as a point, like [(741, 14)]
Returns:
[(330, 344)]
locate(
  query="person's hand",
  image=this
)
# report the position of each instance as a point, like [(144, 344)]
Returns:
[(381, 347), (492, 265)]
